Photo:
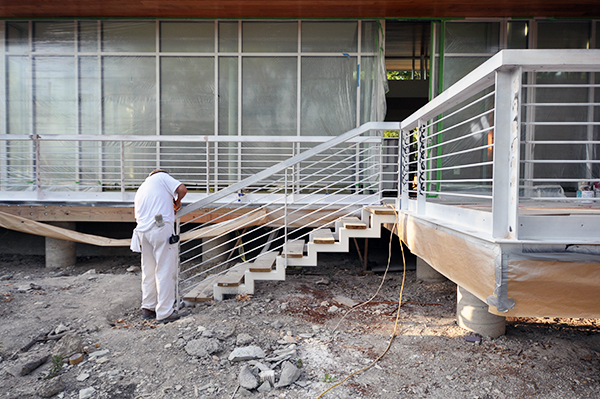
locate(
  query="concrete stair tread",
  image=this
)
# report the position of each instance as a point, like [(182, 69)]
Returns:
[(353, 223), (233, 277), (264, 263), (380, 210), (202, 292), (294, 249), (323, 236)]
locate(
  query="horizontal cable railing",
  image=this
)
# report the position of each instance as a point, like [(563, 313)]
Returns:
[(311, 190), (518, 136), (77, 167)]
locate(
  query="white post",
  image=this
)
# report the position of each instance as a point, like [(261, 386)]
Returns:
[(507, 121), (421, 166), (403, 167)]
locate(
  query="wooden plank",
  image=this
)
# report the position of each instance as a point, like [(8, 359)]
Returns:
[(353, 223), (294, 249), (323, 236), (345, 301), (380, 210), (233, 277), (264, 263), (202, 292)]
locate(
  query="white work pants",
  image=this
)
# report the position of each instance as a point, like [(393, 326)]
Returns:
[(159, 270)]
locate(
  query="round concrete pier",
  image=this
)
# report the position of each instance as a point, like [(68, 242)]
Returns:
[(427, 273), (215, 250), (60, 253), (472, 314)]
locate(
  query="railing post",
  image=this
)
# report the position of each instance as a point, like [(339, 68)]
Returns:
[(38, 166), (403, 168), (507, 127), (122, 156), (421, 166), (285, 219)]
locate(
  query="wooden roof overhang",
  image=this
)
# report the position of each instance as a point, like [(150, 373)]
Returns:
[(433, 9)]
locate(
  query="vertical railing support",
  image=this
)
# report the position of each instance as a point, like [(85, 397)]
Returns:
[(122, 171), (285, 219), (507, 127), (421, 166), (37, 164), (403, 168)]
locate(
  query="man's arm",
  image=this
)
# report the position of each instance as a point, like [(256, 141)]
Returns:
[(181, 191)]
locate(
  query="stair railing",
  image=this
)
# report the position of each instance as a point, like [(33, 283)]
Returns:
[(311, 190)]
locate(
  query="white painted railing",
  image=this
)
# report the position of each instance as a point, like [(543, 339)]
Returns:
[(307, 191), (510, 152), (44, 168)]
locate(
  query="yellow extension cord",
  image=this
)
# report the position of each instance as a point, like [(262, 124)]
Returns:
[(376, 293)]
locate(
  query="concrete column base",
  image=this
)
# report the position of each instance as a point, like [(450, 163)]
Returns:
[(427, 273), (60, 253), (215, 250), (472, 314)]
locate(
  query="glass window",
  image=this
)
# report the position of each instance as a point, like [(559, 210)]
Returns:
[(55, 97), (128, 36), (228, 96), (270, 37), (269, 96), (88, 36), (370, 36), (54, 37), (328, 95), (472, 37), (129, 88), (19, 95), (517, 32), (563, 35), (187, 95), (228, 37), (89, 95), (17, 34), (456, 68), (187, 37), (330, 37)]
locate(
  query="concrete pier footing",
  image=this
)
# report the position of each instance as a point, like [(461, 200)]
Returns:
[(427, 273), (216, 250), (60, 253), (472, 314)]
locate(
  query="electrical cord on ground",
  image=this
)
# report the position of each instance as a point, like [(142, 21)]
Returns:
[(397, 313)]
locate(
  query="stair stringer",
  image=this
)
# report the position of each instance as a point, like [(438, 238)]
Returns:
[(342, 244)]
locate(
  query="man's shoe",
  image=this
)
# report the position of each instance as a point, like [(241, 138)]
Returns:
[(174, 316), (148, 314)]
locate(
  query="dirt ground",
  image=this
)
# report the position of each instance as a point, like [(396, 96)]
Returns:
[(293, 323)]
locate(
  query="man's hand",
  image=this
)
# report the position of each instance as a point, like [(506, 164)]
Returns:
[(181, 192)]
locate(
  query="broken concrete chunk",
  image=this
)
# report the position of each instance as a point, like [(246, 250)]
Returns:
[(246, 379), (289, 374), (28, 367), (68, 345), (87, 393), (202, 347), (246, 353), (133, 269), (98, 354), (243, 339), (51, 387)]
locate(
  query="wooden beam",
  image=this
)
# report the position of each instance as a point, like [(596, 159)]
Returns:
[(297, 8)]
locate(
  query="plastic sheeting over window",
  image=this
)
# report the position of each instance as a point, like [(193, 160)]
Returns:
[(159, 78)]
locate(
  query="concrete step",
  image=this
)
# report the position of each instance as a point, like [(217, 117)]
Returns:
[(323, 236), (293, 249), (264, 263)]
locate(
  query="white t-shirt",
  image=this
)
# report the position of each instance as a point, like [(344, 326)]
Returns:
[(155, 196)]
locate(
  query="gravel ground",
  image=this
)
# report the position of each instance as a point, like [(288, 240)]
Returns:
[(292, 330)]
